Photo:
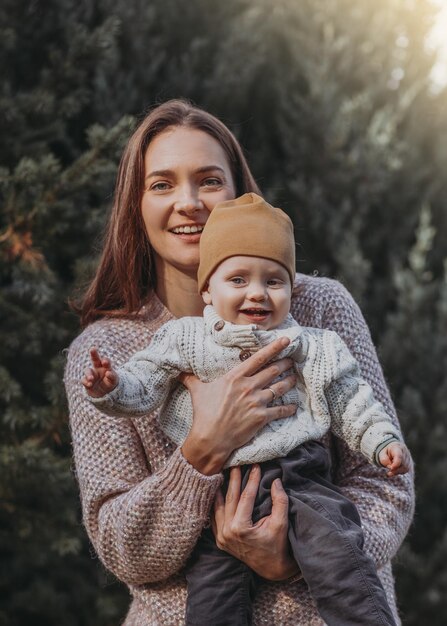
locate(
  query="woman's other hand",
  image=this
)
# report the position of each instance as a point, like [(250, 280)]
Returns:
[(262, 546), (230, 410)]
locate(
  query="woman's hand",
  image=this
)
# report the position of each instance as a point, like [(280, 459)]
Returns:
[(262, 546), (230, 410)]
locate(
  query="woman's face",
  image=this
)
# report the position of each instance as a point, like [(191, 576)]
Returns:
[(186, 174)]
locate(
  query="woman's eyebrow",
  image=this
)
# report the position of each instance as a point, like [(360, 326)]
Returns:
[(159, 173), (209, 168), (199, 170)]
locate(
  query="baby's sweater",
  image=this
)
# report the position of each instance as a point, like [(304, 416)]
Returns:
[(329, 394), (144, 505)]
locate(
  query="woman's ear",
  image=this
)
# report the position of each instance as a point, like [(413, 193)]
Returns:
[(206, 295)]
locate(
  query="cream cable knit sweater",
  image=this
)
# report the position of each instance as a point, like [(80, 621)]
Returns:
[(144, 506), (330, 393)]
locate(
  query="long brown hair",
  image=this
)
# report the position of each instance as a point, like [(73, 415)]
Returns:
[(124, 277)]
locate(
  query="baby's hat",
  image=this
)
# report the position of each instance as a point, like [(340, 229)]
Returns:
[(246, 226)]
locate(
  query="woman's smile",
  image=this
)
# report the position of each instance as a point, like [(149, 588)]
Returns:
[(188, 233)]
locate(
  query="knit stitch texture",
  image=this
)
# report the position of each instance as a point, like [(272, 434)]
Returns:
[(144, 505), (330, 394)]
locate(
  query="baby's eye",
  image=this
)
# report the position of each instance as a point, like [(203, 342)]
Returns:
[(274, 282), (237, 280)]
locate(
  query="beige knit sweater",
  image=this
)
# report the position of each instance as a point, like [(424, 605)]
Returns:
[(144, 506)]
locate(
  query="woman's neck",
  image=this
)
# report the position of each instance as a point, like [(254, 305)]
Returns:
[(178, 292)]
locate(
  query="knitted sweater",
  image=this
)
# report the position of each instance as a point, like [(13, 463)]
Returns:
[(144, 505), (329, 393)]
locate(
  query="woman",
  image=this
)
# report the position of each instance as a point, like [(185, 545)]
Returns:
[(144, 501)]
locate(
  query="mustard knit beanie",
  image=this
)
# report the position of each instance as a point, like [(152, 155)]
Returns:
[(246, 226)]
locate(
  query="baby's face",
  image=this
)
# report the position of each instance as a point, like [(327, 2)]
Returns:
[(250, 290)]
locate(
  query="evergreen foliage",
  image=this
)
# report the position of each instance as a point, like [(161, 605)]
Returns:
[(332, 100)]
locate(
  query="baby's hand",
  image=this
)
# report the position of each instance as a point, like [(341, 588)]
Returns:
[(396, 457), (101, 378)]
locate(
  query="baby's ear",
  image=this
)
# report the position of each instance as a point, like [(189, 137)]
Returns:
[(206, 295)]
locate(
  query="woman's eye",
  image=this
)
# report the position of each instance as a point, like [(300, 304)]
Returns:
[(161, 186), (211, 182)]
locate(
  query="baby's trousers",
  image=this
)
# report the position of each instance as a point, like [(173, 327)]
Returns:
[(326, 541)]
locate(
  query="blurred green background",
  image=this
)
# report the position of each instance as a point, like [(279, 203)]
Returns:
[(341, 108)]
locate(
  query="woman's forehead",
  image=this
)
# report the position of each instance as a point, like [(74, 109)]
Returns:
[(180, 146)]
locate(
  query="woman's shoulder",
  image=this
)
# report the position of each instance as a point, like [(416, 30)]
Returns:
[(118, 337), (313, 296)]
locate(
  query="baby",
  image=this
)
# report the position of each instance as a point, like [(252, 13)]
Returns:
[(246, 274)]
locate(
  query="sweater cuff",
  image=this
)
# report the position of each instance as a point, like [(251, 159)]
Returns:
[(111, 404), (188, 489), (380, 447), (374, 436)]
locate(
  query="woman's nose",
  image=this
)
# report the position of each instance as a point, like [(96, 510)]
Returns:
[(188, 201)]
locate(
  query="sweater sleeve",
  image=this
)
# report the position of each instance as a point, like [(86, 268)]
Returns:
[(356, 416), (386, 505), (142, 524), (144, 382)]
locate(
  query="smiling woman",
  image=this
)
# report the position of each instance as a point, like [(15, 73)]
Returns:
[(146, 499), (186, 175)]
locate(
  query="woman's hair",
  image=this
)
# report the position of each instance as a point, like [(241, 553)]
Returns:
[(124, 277)]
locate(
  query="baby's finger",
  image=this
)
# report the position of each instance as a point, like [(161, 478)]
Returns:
[(396, 458), (86, 382), (110, 378), (399, 470), (385, 458), (94, 355), (90, 374)]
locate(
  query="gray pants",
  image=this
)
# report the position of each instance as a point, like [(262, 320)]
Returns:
[(326, 541)]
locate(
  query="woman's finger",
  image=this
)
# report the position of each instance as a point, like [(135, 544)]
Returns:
[(218, 516), (244, 511), (233, 493), (264, 377), (280, 504), (279, 412), (279, 388), (259, 359)]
